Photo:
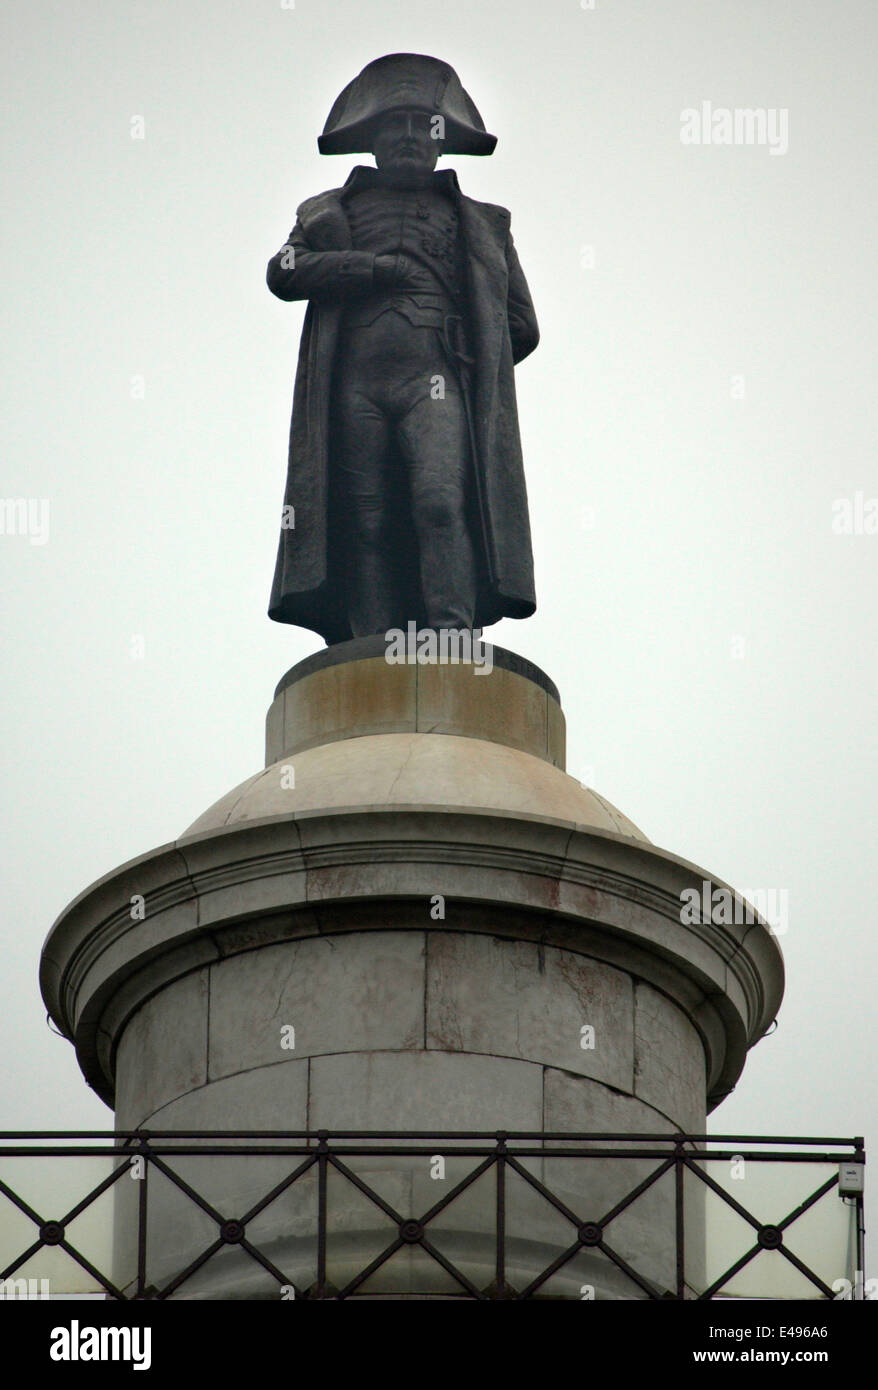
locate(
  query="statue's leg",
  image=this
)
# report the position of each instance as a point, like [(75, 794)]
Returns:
[(434, 438), (363, 440)]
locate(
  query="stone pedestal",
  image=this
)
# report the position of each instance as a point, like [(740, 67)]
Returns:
[(412, 919)]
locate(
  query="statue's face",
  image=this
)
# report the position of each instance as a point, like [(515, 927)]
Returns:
[(403, 144)]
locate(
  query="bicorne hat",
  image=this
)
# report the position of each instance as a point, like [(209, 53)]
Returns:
[(404, 81)]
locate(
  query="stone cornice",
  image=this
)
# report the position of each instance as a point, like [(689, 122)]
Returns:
[(360, 868)]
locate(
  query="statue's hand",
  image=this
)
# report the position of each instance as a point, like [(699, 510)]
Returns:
[(397, 272), (384, 270)]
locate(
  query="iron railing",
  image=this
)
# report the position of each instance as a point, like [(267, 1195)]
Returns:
[(680, 1159)]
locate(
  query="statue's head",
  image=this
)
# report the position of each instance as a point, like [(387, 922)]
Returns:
[(404, 143), (405, 82)]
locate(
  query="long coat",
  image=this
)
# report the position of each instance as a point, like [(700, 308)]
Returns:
[(502, 329)]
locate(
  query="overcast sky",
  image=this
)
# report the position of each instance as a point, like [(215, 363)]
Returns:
[(700, 402)]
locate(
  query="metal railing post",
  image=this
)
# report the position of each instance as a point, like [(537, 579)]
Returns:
[(500, 1273), (142, 1217), (322, 1166), (679, 1172)]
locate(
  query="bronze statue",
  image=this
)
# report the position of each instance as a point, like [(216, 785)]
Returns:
[(405, 496)]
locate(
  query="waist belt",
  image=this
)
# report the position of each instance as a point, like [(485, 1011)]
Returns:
[(427, 310)]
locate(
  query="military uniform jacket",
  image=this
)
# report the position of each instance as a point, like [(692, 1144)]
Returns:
[(325, 269)]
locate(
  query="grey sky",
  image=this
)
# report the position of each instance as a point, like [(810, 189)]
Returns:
[(670, 516)]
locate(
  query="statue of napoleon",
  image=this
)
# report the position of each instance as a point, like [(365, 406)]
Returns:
[(405, 497)]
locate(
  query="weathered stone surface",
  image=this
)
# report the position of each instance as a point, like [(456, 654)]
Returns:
[(349, 994), (418, 770), (343, 701), (223, 808), (258, 1099), (178, 1228), (512, 874), (163, 1052), (275, 730), (643, 1232), (365, 648), (384, 1090), (668, 1060), (578, 1103), (556, 734), (227, 895), (499, 706), (518, 999)]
